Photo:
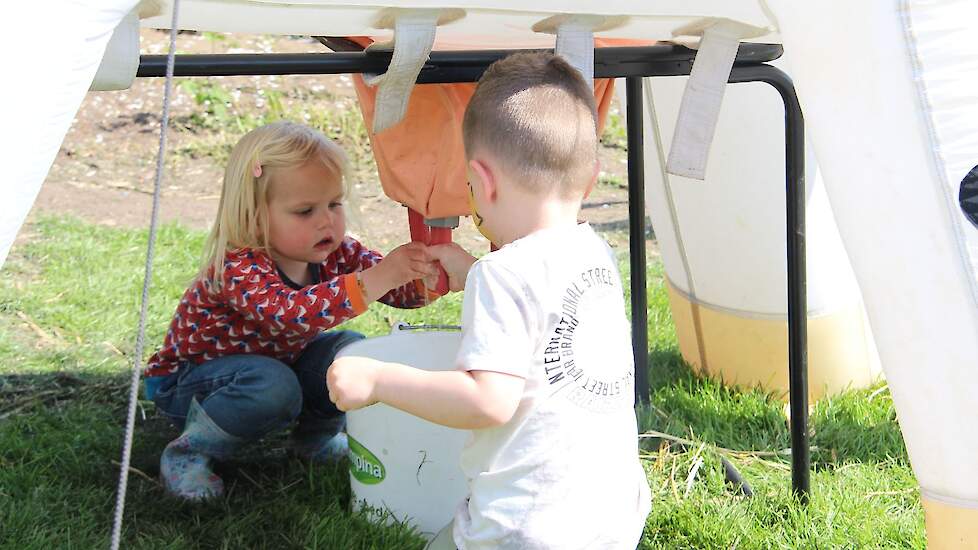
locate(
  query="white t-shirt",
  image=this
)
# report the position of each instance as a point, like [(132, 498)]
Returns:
[(563, 473)]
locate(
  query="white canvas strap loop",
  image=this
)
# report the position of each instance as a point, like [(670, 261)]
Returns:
[(121, 58), (414, 36), (575, 38), (575, 43), (700, 107)]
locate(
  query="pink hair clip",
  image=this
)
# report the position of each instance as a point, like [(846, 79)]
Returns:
[(257, 170)]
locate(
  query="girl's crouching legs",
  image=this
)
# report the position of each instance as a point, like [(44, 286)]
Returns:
[(222, 405)]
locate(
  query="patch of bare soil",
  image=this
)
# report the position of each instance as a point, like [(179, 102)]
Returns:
[(104, 171)]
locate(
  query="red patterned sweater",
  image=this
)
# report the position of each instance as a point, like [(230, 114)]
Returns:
[(258, 312)]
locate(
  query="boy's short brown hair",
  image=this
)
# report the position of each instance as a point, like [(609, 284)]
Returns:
[(535, 115)]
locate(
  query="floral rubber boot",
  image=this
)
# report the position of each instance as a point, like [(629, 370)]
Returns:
[(185, 465)]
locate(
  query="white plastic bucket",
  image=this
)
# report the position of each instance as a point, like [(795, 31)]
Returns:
[(399, 463)]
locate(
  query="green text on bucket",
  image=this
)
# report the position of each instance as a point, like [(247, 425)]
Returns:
[(364, 465)]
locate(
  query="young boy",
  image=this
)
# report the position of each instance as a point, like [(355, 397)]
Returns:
[(545, 373)]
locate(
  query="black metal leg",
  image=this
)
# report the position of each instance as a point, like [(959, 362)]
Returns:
[(636, 237), (797, 293), (797, 284)]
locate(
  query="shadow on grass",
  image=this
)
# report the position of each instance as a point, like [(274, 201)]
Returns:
[(59, 467), (858, 425), (23, 393)]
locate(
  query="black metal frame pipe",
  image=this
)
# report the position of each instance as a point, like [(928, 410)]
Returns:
[(636, 236), (442, 66), (795, 196)]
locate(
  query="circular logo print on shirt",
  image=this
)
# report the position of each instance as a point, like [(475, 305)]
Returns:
[(968, 196), (587, 359)]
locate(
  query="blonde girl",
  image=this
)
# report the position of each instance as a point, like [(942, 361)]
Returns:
[(248, 349)]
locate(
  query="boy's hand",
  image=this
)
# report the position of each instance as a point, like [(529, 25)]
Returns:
[(409, 262), (456, 262), (404, 264), (351, 382)]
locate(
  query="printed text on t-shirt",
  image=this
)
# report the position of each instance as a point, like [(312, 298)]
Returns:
[(591, 386)]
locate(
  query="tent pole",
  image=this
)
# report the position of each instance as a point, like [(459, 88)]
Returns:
[(636, 237), (797, 284)]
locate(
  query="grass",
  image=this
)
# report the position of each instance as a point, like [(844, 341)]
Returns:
[(223, 115), (615, 134), (68, 307), (613, 181)]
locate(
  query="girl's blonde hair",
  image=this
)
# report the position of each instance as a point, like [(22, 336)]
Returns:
[(243, 211)]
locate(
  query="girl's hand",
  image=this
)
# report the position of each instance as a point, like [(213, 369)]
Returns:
[(456, 262), (351, 382), (404, 264)]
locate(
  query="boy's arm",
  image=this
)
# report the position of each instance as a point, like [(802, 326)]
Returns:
[(458, 399), (495, 355)]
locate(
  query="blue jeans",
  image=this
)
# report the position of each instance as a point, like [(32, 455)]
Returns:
[(251, 395)]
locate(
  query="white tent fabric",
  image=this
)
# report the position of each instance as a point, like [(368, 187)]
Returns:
[(891, 101), (51, 51), (117, 71), (489, 23)]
